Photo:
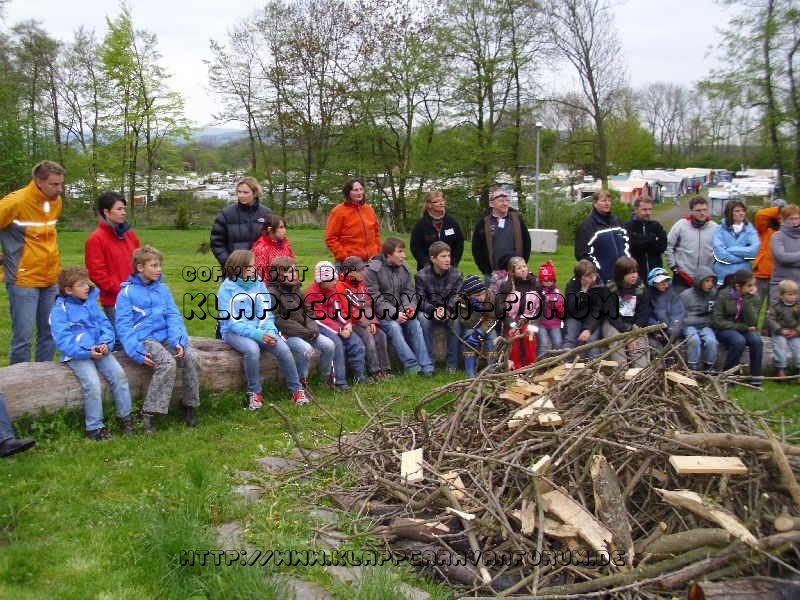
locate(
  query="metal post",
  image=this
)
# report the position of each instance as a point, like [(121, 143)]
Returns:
[(538, 129)]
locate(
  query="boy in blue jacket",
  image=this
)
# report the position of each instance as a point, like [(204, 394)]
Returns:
[(152, 333), (84, 335), (665, 307)]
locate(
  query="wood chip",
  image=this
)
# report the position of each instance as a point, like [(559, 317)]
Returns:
[(452, 480), (572, 513), (550, 419), (632, 373), (680, 378), (411, 465)]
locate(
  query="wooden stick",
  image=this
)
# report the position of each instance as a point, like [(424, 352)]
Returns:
[(729, 440), (786, 471)]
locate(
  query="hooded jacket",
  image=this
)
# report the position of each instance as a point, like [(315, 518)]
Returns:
[(483, 251), (291, 317), (146, 311), (353, 229), (785, 245), (666, 307), (782, 316), (634, 305), (236, 227), (601, 239), (733, 251), (108, 254), (28, 221), (734, 312), (698, 305), (79, 325), (265, 250), (391, 287), (767, 221), (248, 309), (690, 247), (590, 307), (424, 234)]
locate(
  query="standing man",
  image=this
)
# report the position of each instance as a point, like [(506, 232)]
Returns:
[(499, 234), (28, 218), (601, 238), (647, 238), (690, 244)]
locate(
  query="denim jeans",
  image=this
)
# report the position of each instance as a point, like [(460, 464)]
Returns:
[(88, 372), (303, 350), (453, 343), (780, 350), (376, 350), (700, 341), (735, 341), (251, 351), (349, 350), (31, 306), (6, 431), (549, 339), (573, 330), (413, 354)]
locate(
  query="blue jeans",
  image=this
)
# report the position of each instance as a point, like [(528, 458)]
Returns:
[(549, 339), (735, 341), (31, 306), (251, 351), (573, 330), (780, 350), (702, 340), (88, 372), (453, 343), (413, 354), (6, 431), (303, 351), (350, 350)]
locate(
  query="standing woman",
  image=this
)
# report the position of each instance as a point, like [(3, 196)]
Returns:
[(108, 251), (271, 244), (353, 228), (785, 245), (238, 225), (735, 241), (436, 226)]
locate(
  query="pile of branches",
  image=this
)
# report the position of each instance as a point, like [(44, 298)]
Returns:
[(591, 506)]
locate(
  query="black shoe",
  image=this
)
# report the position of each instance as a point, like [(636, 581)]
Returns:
[(14, 446), (190, 416), (148, 423), (98, 434), (126, 426), (363, 380)]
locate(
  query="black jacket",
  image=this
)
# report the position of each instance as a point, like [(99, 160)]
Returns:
[(590, 307), (236, 227), (424, 234), (482, 250), (647, 241), (601, 239), (437, 290)]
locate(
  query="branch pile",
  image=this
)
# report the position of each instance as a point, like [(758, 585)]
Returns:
[(643, 481)]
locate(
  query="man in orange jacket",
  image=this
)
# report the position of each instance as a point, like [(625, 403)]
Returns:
[(767, 221), (28, 219)]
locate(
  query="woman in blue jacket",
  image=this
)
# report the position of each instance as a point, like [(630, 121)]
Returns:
[(735, 241)]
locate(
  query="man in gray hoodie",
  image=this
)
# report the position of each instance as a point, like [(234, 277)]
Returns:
[(698, 303), (690, 244)]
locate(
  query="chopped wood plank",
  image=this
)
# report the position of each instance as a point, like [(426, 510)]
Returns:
[(515, 423), (577, 365), (521, 390), (411, 465), (543, 402), (541, 465), (608, 364), (559, 530), (453, 481), (550, 374), (531, 388), (551, 419), (527, 517), (680, 378), (632, 373), (572, 513), (704, 465), (514, 397), (709, 510)]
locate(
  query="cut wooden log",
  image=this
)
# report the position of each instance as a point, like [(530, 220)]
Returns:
[(786, 470), (708, 465), (58, 388), (730, 440), (609, 506), (750, 588), (709, 510), (608, 364), (513, 397), (542, 465), (676, 377), (570, 512), (411, 465), (521, 386), (550, 419), (527, 517)]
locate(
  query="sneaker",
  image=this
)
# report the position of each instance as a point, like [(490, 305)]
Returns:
[(254, 400), (299, 397), (364, 380), (342, 387), (755, 383), (126, 425), (98, 434), (693, 366), (780, 373), (386, 375), (425, 373)]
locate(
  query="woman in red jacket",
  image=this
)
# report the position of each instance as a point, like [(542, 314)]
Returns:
[(108, 251)]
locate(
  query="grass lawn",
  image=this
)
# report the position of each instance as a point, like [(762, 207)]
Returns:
[(82, 519)]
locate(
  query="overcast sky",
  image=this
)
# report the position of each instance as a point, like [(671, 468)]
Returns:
[(663, 40)]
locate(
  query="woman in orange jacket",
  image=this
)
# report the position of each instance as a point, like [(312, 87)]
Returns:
[(353, 228)]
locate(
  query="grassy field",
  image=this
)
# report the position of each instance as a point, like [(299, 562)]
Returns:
[(81, 519)]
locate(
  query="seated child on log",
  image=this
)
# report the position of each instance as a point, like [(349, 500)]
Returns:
[(633, 311), (519, 304), (584, 303), (550, 323), (153, 334), (476, 311), (85, 337), (783, 318), (665, 307), (249, 327), (734, 321), (698, 305)]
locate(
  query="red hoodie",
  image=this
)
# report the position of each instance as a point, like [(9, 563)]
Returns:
[(109, 259)]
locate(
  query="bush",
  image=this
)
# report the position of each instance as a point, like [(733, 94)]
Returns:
[(182, 216)]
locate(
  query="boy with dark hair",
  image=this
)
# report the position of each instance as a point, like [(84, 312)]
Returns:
[(634, 310), (84, 336), (153, 334)]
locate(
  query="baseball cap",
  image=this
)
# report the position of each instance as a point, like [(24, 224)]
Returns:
[(657, 275)]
